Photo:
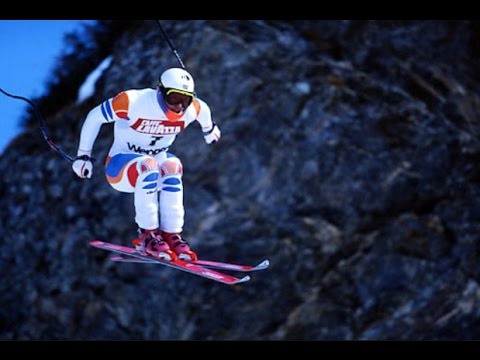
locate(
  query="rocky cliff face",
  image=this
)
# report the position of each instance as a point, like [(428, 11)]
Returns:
[(349, 158)]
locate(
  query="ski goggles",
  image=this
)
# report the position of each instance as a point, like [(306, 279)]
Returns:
[(175, 97)]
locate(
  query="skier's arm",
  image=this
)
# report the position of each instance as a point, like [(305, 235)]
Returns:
[(211, 131), (90, 129), (82, 166)]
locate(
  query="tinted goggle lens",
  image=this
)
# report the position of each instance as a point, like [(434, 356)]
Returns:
[(175, 98)]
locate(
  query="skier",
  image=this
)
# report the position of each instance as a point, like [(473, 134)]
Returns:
[(147, 122)]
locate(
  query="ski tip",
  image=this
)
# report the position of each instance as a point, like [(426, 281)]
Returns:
[(243, 279), (96, 242), (263, 265)]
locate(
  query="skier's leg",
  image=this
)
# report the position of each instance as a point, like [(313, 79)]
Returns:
[(171, 206), (138, 174), (146, 196), (171, 194)]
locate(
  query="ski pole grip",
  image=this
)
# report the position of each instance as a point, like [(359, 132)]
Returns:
[(85, 158)]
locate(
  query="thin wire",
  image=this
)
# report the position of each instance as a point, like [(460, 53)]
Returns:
[(43, 128)]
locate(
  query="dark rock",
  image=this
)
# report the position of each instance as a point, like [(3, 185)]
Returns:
[(349, 158)]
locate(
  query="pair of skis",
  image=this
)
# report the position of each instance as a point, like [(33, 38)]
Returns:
[(203, 268)]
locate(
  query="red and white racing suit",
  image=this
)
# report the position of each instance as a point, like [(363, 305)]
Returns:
[(138, 161)]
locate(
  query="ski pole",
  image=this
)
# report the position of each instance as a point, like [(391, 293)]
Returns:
[(173, 48), (171, 45), (43, 129)]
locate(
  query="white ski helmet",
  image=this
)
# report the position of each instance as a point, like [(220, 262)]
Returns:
[(178, 79)]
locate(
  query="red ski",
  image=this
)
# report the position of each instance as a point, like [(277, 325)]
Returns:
[(190, 267), (207, 263)]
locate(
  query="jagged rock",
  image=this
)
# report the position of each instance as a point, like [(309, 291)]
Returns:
[(349, 158)]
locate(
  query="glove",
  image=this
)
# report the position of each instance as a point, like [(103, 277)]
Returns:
[(213, 135), (83, 164)]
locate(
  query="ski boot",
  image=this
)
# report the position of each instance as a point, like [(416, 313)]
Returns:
[(151, 243), (179, 246)]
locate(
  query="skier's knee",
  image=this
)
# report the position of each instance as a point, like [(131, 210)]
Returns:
[(146, 165), (146, 174), (172, 166)]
